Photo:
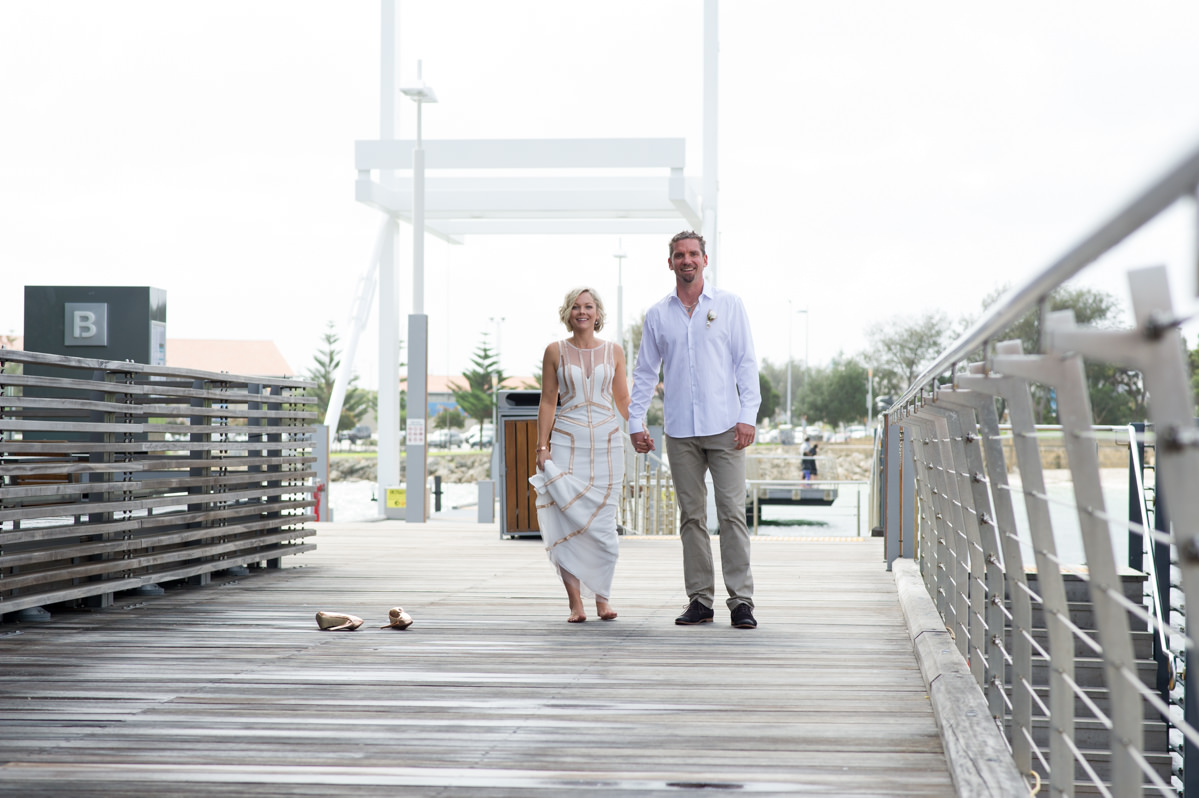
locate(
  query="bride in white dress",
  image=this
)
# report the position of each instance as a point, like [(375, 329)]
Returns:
[(580, 454)]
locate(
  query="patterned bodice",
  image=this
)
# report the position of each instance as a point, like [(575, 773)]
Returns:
[(585, 382)]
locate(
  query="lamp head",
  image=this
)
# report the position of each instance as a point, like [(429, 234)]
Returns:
[(419, 93)]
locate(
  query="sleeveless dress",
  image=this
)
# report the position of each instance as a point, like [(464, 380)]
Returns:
[(577, 493)]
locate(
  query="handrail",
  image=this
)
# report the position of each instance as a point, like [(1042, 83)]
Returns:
[(1159, 622), (647, 495), (1008, 309), (1026, 625)]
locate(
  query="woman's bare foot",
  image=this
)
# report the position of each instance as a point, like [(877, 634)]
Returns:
[(576, 617), (605, 611)]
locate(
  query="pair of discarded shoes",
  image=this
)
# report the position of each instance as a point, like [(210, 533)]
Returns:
[(344, 622)]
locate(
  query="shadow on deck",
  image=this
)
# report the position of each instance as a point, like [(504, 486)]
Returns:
[(232, 688)]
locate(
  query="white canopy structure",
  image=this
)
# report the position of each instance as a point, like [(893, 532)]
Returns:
[(535, 203), (547, 186)]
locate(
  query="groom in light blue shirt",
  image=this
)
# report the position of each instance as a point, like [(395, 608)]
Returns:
[(700, 338)]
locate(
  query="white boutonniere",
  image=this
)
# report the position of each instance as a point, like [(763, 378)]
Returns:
[(711, 317)]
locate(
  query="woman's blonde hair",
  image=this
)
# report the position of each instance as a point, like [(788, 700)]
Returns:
[(571, 296)]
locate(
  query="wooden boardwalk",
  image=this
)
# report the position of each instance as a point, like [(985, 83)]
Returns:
[(231, 689)]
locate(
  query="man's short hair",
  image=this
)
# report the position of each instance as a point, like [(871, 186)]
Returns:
[(683, 236)]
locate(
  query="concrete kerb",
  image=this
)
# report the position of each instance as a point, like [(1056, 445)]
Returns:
[(979, 758)]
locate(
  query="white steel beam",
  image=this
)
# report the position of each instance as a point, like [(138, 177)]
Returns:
[(525, 154), (453, 229), (711, 124)]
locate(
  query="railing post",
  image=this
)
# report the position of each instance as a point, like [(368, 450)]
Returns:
[(899, 487), (1003, 527), (1155, 348), (956, 513), (1015, 392), (987, 612), (1064, 371), (932, 533)]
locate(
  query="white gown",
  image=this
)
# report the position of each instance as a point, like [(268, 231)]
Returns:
[(577, 493)]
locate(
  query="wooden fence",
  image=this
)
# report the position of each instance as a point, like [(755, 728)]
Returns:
[(117, 476)]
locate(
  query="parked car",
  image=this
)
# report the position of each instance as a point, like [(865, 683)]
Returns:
[(480, 437), (445, 439), (359, 433)]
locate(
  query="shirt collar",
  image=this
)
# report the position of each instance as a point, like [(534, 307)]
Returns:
[(706, 291)]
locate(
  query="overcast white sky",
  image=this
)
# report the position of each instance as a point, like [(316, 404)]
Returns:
[(876, 158)]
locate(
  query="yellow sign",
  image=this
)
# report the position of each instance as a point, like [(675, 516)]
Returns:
[(397, 497)]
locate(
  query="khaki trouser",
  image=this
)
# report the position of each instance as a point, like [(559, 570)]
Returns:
[(689, 459)]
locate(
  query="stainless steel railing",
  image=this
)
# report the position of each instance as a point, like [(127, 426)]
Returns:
[(648, 505), (1062, 649)]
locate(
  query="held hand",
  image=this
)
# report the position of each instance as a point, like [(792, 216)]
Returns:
[(743, 435), (642, 442), (542, 457)]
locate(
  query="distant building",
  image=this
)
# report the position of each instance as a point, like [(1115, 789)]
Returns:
[(441, 395), (256, 358)]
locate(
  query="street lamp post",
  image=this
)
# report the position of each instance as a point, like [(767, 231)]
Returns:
[(495, 388), (620, 256), (418, 323), (420, 93), (790, 318), (497, 321), (870, 399), (803, 388)]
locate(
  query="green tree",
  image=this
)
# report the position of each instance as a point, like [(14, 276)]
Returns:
[(777, 375), (655, 414), (837, 395), (1117, 394), (449, 418), (770, 398), (633, 336), (477, 398), (1192, 356), (903, 347), (325, 365), (7, 342)]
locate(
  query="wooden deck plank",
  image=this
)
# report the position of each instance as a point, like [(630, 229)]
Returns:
[(490, 693)]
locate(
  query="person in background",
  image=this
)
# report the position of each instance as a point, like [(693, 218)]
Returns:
[(808, 463)]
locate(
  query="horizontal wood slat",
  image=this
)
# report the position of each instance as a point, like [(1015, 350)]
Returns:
[(116, 475), (490, 693)]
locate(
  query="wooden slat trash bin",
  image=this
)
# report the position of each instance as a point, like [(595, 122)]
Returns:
[(516, 428)]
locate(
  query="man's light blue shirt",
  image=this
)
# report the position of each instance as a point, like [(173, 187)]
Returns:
[(709, 367)]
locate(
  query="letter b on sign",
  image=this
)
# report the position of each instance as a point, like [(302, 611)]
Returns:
[(86, 324)]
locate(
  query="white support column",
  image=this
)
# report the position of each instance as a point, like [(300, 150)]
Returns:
[(711, 183), (389, 294), (389, 367), (417, 470), (418, 222)]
